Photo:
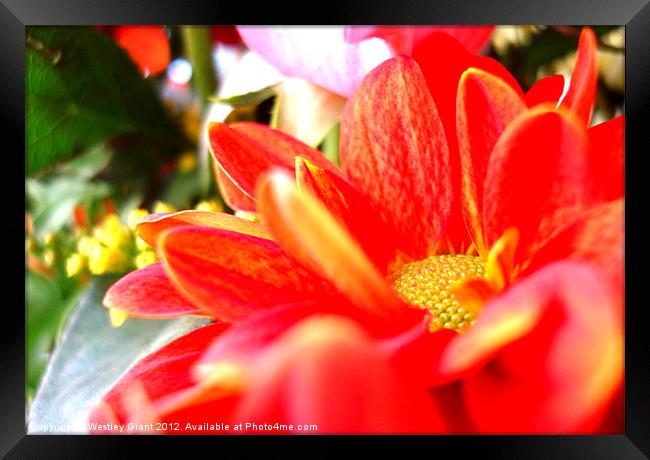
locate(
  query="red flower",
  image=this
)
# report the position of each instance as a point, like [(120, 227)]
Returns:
[(225, 34), (148, 46), (361, 305)]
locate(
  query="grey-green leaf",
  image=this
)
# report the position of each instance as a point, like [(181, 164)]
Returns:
[(91, 357)]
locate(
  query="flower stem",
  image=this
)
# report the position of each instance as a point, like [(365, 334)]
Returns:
[(198, 44), (198, 48)]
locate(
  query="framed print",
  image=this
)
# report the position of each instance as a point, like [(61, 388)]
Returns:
[(409, 230)]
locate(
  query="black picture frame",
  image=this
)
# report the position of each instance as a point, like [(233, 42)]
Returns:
[(634, 14)]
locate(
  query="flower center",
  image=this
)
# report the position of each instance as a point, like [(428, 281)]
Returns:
[(429, 284)]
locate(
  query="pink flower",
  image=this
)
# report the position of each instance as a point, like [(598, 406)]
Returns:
[(337, 58)]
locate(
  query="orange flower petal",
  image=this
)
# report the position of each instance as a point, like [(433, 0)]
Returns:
[(308, 232), (393, 153), (148, 293), (538, 179), (163, 372), (243, 151), (326, 371), (486, 105), (244, 340), (547, 89), (548, 352), (232, 195), (440, 48), (607, 141), (152, 226), (597, 236), (581, 96), (232, 274), (351, 209)]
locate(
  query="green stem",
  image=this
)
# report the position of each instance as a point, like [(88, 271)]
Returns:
[(198, 46)]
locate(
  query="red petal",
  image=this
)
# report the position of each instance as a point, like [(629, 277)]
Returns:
[(163, 372), (548, 352), (232, 195), (472, 38), (485, 106), (152, 226), (225, 34), (414, 352), (596, 237), (400, 39), (308, 232), (581, 96), (148, 293), (231, 274), (538, 179), (607, 141), (547, 89), (326, 371), (148, 46), (243, 151), (403, 39), (244, 340), (393, 148), (440, 48), (351, 209)]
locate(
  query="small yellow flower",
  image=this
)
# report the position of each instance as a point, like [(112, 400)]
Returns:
[(48, 238), (49, 257), (161, 206), (111, 232), (74, 264), (105, 260), (117, 317), (134, 216), (85, 245), (145, 258), (209, 205), (141, 244)]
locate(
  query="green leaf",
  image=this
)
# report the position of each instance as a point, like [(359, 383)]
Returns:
[(248, 99), (44, 299), (91, 357), (90, 163), (52, 201), (183, 189), (82, 89), (330, 144)]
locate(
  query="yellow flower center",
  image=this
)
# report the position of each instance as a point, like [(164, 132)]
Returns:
[(429, 284)]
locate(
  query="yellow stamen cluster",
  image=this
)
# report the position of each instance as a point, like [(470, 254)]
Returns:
[(429, 284)]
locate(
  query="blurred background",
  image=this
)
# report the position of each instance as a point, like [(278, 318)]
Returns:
[(116, 122)]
